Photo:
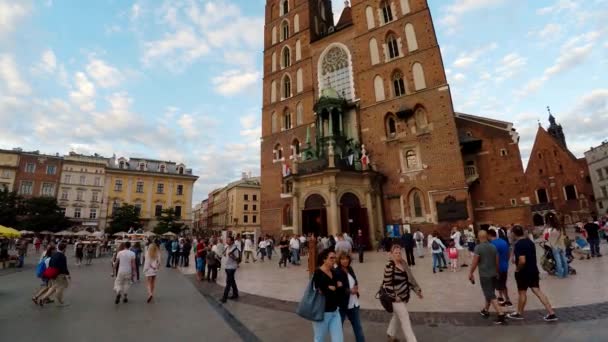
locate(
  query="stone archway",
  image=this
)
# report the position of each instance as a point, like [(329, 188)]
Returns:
[(353, 217), (314, 216)]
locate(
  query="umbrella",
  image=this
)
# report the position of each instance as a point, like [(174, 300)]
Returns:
[(82, 233), (64, 233), (122, 234), (9, 232), (98, 234), (46, 232), (26, 232), (169, 234), (149, 234)]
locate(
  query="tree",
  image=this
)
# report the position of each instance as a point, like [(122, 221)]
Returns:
[(43, 213), (167, 222), (124, 218), (9, 208)]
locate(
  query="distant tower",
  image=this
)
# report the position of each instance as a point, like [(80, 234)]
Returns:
[(556, 130)]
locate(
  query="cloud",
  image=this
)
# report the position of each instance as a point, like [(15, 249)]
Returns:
[(48, 61), (549, 31), (559, 6), (83, 93), (232, 82), (105, 75), (510, 65), (9, 73), (466, 59), (11, 12), (453, 13), (135, 11), (178, 49), (572, 54)]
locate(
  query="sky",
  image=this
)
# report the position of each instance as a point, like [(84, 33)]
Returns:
[(180, 80)]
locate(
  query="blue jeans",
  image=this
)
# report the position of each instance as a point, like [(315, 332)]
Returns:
[(561, 264), (595, 246), (331, 322), (355, 320), (295, 256), (436, 260), (21, 261)]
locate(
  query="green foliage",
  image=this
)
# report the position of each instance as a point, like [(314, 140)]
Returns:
[(124, 217), (9, 208), (167, 222), (42, 213)]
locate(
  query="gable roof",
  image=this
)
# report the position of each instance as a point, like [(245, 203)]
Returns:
[(346, 18), (543, 135)]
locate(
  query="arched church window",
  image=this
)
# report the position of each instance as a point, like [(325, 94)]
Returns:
[(379, 88), (419, 81), (295, 147), (387, 12), (391, 126), (278, 152), (285, 7), (284, 30), (421, 119), (335, 71), (398, 84), (286, 86), (299, 113), (373, 51), (416, 204), (369, 16), (274, 125), (286, 57), (286, 119), (410, 37), (392, 46)]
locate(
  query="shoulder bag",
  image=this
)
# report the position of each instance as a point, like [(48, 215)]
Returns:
[(385, 299), (312, 304)]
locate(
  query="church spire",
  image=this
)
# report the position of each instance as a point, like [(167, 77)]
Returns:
[(556, 130)]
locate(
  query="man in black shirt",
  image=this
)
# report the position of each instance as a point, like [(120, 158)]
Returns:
[(593, 237), (527, 275), (407, 242)]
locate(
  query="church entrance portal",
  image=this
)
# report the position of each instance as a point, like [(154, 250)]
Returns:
[(353, 217), (314, 216)]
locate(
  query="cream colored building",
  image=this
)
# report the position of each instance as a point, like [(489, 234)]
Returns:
[(243, 204), (81, 189), (151, 186), (597, 159), (9, 163), (218, 219)]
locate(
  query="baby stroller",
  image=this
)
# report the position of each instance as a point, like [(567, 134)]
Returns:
[(547, 261)]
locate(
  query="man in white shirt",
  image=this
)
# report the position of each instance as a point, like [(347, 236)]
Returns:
[(294, 246), (125, 274), (249, 249), (343, 246), (419, 239)]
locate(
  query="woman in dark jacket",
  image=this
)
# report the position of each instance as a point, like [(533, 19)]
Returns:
[(325, 281), (349, 301), (398, 282)]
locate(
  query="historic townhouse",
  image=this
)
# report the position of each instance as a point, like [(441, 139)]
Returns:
[(38, 175), (151, 186), (9, 163), (597, 159)]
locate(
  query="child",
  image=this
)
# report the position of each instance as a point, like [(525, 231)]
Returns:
[(453, 255)]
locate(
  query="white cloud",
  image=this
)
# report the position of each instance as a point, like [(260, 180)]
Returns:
[(454, 12), (466, 59), (48, 61), (105, 75), (559, 6), (459, 77), (232, 82), (179, 48), (510, 65), (188, 126), (135, 11), (83, 93), (550, 31), (9, 73), (11, 12)]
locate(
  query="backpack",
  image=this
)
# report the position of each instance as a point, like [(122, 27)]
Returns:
[(502, 234), (238, 257), (41, 268), (435, 245)]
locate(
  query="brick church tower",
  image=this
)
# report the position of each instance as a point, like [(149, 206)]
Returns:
[(358, 129)]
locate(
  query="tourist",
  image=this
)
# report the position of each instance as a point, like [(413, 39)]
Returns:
[(488, 261), (453, 256), (324, 243), (213, 262), (503, 251), (239, 243), (186, 252), (398, 281), (312, 255), (181, 252), (270, 248), (232, 258), (342, 246), (21, 247), (581, 248), (294, 247), (527, 275), (46, 258), (456, 236), (125, 273), (200, 259), (419, 238), (284, 248), (58, 284), (137, 250), (262, 248), (469, 235), (303, 246), (327, 283), (90, 250), (37, 244), (176, 246), (151, 267), (360, 244), (219, 248), (169, 248), (593, 237), (79, 252), (349, 302), (349, 240), (436, 247), (558, 247), (120, 247), (332, 242), (407, 243), (249, 249)]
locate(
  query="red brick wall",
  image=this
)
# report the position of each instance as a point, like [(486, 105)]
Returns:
[(39, 176)]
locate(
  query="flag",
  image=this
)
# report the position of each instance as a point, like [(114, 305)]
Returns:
[(286, 170), (364, 160)]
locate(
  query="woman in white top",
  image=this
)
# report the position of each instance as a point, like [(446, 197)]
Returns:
[(151, 267), (349, 299)]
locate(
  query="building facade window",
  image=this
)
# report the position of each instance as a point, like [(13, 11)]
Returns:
[(379, 88), (160, 188), (335, 71), (416, 204), (254, 207), (64, 195), (284, 30), (369, 16), (95, 196), (178, 210), (273, 122), (398, 84), (600, 175), (298, 50), (162, 169), (286, 57), (67, 179), (79, 195), (139, 187), (278, 152), (51, 169), (246, 207), (570, 192), (142, 166), (392, 46), (299, 113), (286, 87), (286, 120), (97, 181), (83, 180), (137, 209), (387, 12), (391, 126), (92, 213), (421, 119), (410, 38), (284, 7), (273, 92), (158, 210), (180, 190), (374, 56), (118, 185), (541, 195), (411, 160), (30, 167), (77, 212), (254, 219), (295, 147), (296, 23), (246, 197), (419, 80), (245, 219), (255, 197)]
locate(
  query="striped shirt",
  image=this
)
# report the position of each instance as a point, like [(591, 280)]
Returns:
[(398, 283)]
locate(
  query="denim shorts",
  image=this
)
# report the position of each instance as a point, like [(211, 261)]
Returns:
[(200, 264)]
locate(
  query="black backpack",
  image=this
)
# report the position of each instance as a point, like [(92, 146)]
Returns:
[(434, 245)]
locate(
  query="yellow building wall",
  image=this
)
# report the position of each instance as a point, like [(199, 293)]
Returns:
[(8, 169)]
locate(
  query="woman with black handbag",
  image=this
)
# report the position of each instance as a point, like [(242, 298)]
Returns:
[(397, 283)]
